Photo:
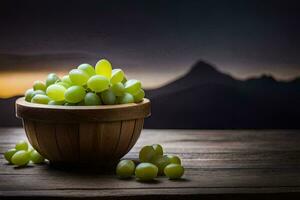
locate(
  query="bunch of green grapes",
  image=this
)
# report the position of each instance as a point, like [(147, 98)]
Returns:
[(22, 154), (87, 85), (153, 162)]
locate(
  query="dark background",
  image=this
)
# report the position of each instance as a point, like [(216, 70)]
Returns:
[(227, 64)]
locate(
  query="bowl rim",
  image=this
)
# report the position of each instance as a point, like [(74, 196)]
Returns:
[(21, 101), (74, 114)]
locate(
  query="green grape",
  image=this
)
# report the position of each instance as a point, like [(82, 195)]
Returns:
[(75, 94), (158, 149), (21, 145), (69, 104), (56, 92), (28, 95), (39, 85), (51, 79), (125, 168), (126, 98), (103, 67), (146, 171), (36, 158), (174, 159), (139, 96), (9, 153), (81, 103), (52, 102), (117, 76), (30, 149), (78, 76), (92, 99), (132, 86), (146, 154), (21, 158), (98, 83), (66, 79), (40, 98), (118, 89), (124, 80), (108, 97), (38, 92), (64, 84), (87, 89), (87, 68), (174, 171), (160, 162)]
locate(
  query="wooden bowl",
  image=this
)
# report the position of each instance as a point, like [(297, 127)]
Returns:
[(82, 134)]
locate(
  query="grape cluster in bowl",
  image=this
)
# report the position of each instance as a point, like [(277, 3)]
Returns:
[(87, 86)]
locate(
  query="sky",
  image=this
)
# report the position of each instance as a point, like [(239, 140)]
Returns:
[(155, 40)]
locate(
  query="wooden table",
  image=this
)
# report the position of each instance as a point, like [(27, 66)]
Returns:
[(234, 164)]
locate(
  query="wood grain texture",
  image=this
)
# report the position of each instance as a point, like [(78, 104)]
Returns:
[(110, 138), (31, 134), (67, 141), (88, 144), (219, 165), (138, 126), (46, 136), (123, 144)]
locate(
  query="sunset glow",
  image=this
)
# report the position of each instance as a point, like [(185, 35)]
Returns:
[(16, 83)]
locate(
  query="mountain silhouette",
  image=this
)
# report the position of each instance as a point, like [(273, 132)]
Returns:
[(199, 74), (209, 99)]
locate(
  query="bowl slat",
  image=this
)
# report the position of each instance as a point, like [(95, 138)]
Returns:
[(110, 137), (88, 141), (67, 142), (46, 136), (124, 141), (139, 123), (29, 126)]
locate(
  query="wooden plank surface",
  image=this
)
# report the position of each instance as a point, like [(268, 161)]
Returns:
[(232, 164)]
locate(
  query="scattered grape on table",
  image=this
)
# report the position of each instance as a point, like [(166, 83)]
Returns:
[(87, 86), (21, 155), (153, 162)]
